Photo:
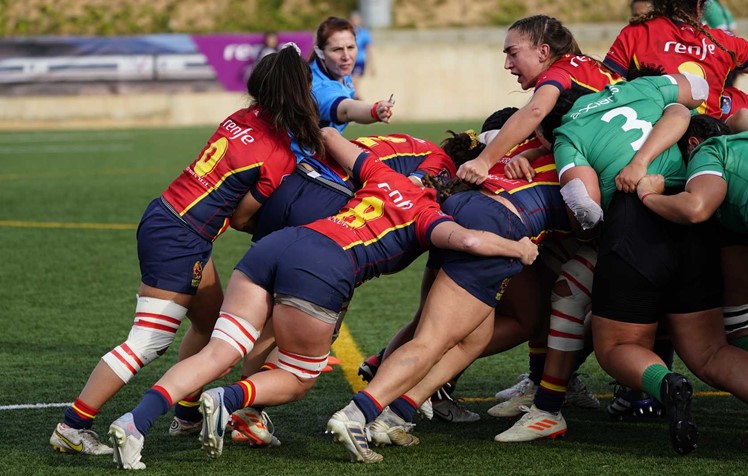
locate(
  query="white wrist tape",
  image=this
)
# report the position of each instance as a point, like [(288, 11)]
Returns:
[(587, 212)]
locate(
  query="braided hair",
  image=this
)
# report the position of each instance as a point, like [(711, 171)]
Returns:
[(445, 189), (687, 11), (462, 147)]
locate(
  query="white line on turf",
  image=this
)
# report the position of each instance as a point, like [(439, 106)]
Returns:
[(34, 406)]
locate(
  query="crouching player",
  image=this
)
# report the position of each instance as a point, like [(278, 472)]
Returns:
[(302, 276)]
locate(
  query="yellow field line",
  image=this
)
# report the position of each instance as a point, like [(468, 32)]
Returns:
[(80, 226), (350, 356)]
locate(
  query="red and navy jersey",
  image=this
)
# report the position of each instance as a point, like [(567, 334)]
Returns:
[(387, 224), (498, 167), (246, 154), (408, 155), (539, 202), (679, 48), (404, 154), (578, 72)]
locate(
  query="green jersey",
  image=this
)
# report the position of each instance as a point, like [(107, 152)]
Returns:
[(717, 15), (725, 156), (605, 129)]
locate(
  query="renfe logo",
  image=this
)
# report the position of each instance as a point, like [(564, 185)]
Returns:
[(237, 132), (696, 50), (396, 196), (240, 51)]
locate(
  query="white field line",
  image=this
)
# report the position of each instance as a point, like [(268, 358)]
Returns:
[(34, 406)]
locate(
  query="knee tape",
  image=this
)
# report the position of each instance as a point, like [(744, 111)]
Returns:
[(238, 333), (569, 313), (300, 365), (153, 331), (586, 211), (736, 318)]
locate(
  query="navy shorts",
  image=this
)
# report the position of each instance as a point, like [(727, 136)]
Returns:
[(485, 278), (302, 263), (298, 201), (172, 256)]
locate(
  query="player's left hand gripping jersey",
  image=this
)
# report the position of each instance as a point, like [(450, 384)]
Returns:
[(679, 48), (577, 72), (245, 155), (387, 224)]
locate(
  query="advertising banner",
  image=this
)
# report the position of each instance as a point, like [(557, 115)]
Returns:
[(77, 65)]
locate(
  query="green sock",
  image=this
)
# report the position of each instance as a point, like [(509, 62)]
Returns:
[(741, 342), (652, 380)]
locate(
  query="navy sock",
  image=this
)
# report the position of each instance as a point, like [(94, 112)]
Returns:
[(405, 408), (233, 397), (80, 416), (537, 362), (368, 406), (188, 409), (550, 394), (153, 405)]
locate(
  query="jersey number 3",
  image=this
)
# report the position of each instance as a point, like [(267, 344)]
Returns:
[(632, 123)]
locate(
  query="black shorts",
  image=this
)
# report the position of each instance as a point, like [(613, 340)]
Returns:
[(731, 238), (647, 269)]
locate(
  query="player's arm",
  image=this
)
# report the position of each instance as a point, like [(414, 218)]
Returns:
[(702, 197), (340, 149), (242, 218), (692, 92), (580, 189), (516, 129), (665, 133), (354, 110), (449, 235)]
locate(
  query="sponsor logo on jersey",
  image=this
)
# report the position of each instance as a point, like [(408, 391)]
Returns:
[(396, 197), (237, 132), (700, 51), (602, 102)]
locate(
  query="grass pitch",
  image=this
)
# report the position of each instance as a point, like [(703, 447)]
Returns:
[(70, 205)]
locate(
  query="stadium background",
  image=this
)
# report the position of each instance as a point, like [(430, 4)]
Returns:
[(441, 59)]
